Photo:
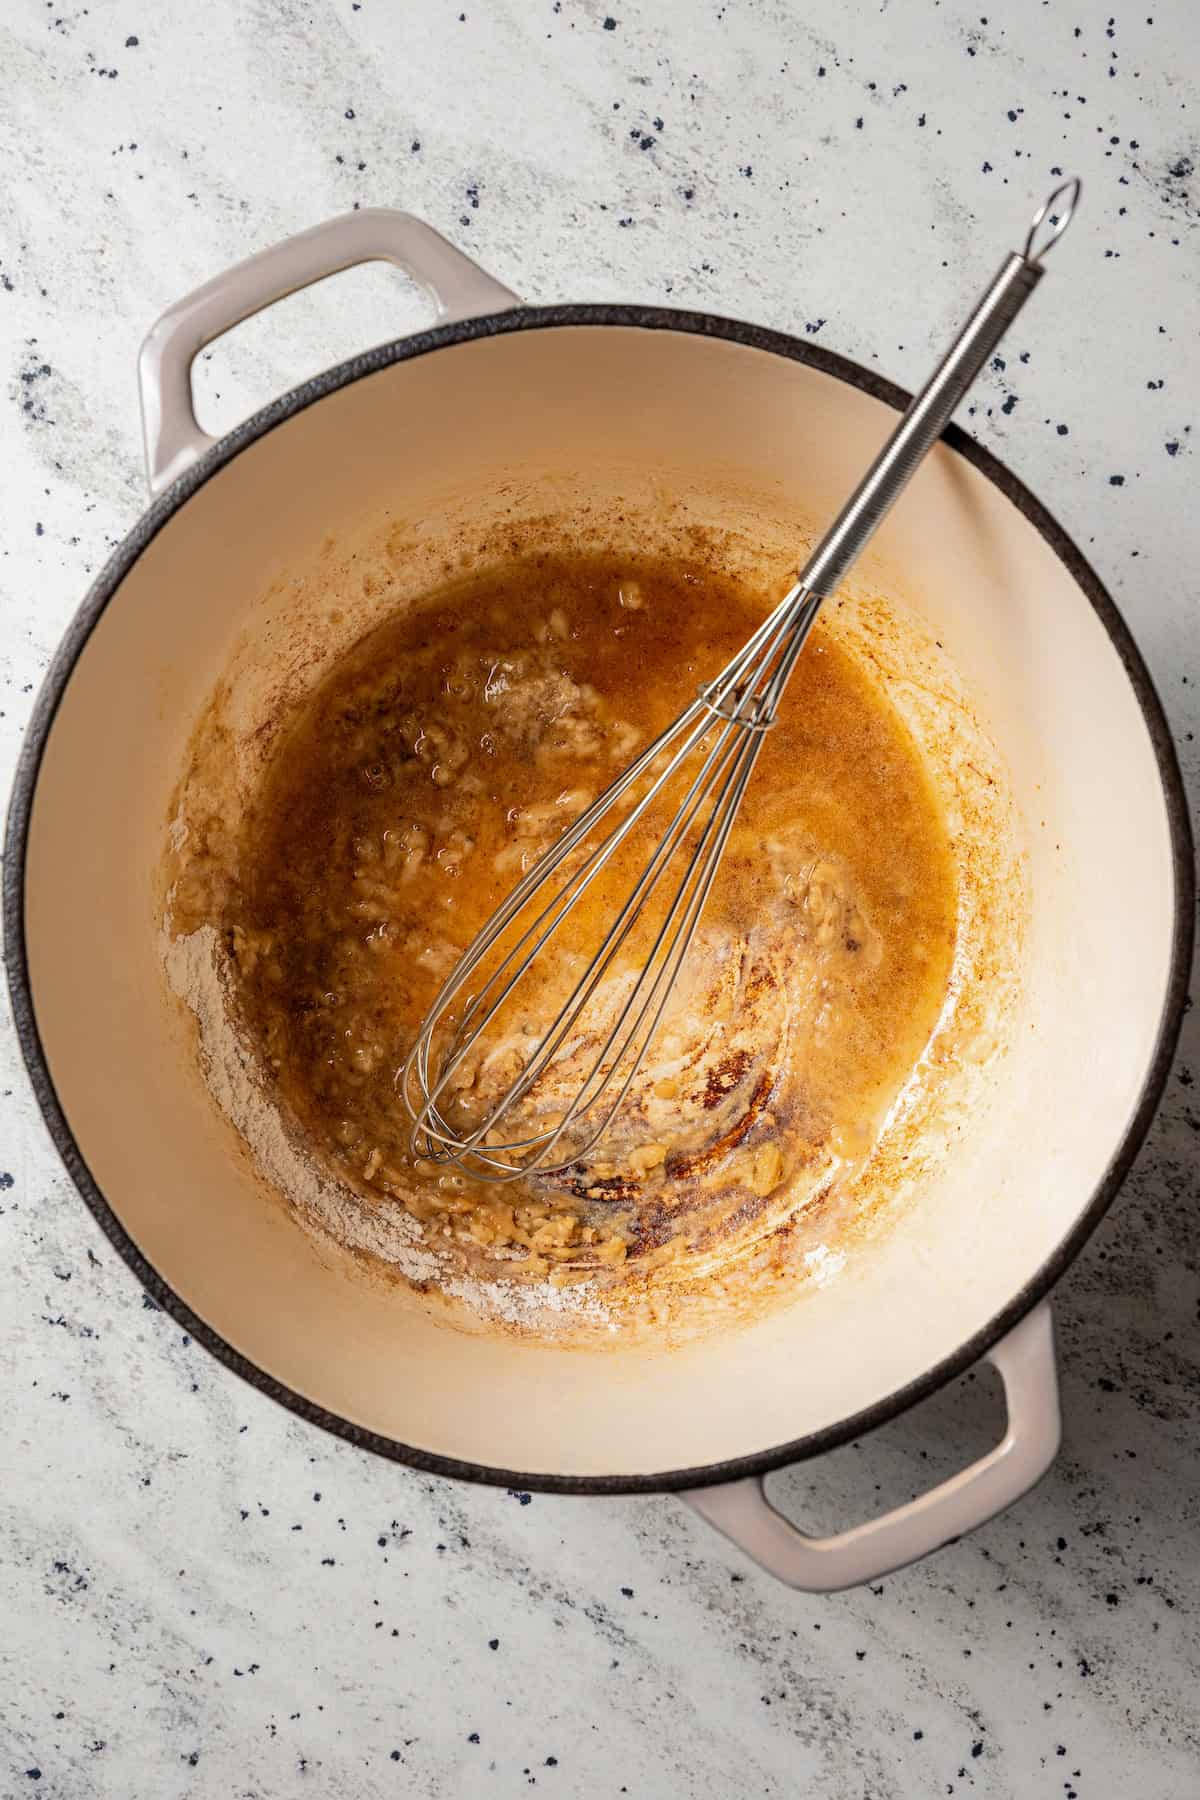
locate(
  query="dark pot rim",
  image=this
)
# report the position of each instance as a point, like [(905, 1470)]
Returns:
[(423, 344)]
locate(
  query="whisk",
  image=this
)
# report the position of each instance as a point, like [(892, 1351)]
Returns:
[(721, 732)]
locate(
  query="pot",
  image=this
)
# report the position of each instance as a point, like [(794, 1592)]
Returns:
[(496, 401)]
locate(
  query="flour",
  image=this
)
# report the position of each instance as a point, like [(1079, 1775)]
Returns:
[(824, 1263), (198, 972)]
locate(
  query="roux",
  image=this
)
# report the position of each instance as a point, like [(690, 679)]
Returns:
[(437, 758)]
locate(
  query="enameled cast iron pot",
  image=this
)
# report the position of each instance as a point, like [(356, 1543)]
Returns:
[(663, 397)]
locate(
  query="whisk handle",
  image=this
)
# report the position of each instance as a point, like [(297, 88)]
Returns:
[(931, 410)]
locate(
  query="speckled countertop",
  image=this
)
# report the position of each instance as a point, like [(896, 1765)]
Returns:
[(199, 1595)]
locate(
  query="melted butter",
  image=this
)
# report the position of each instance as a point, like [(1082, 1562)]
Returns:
[(435, 762)]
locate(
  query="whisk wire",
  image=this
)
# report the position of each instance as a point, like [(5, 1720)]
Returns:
[(664, 982), (733, 755), (559, 905), (677, 947), (737, 755), (564, 900)]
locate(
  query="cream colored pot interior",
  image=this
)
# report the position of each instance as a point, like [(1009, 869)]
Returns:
[(516, 423)]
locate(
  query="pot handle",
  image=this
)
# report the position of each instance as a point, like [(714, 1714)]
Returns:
[(1025, 1359), (459, 288)]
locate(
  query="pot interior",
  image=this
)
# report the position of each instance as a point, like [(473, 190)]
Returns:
[(452, 445)]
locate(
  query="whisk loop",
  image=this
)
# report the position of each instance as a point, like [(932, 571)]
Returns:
[(722, 731)]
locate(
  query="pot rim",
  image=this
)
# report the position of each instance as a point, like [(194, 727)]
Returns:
[(106, 584)]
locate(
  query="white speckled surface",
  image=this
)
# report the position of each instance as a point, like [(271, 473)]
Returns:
[(199, 1595)]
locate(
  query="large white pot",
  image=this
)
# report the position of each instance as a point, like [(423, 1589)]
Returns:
[(498, 400)]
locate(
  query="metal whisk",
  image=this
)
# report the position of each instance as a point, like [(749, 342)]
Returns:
[(722, 730)]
